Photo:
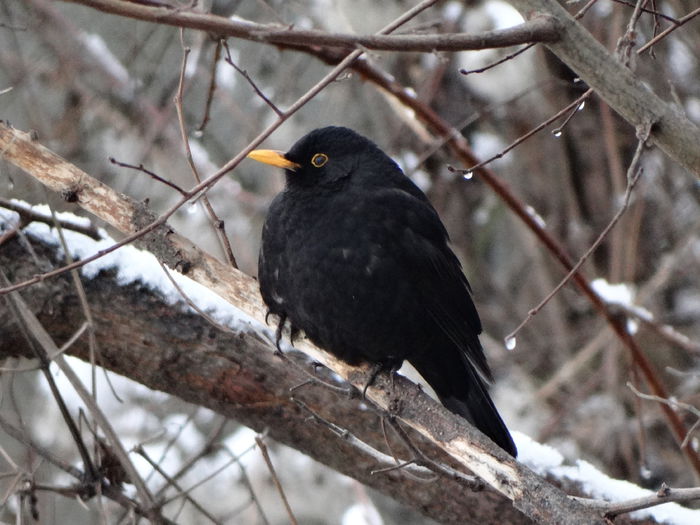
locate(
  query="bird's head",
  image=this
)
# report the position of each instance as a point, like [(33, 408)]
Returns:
[(326, 156)]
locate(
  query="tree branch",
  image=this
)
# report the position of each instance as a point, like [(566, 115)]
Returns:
[(671, 130), (237, 375), (450, 433), (537, 30)]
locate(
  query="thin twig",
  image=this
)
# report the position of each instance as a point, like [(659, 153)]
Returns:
[(246, 481), (216, 222), (173, 483), (498, 62), (572, 106), (275, 479), (473, 482), (38, 449), (666, 331), (71, 341), (250, 81), (31, 215), (654, 12), (212, 87), (82, 298), (206, 449), (673, 403), (151, 174), (409, 467), (665, 33), (633, 175), (210, 475), (191, 303), (665, 494)]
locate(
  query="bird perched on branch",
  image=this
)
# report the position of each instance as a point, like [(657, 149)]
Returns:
[(354, 255)]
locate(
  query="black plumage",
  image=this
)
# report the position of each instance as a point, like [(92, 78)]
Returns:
[(354, 255)]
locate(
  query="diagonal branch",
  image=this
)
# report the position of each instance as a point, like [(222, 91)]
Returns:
[(450, 433)]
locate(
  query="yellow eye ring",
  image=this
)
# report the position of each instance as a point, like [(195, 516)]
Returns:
[(319, 159)]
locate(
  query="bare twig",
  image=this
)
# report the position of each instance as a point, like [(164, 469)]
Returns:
[(275, 479), (71, 341), (172, 482), (148, 172), (666, 331), (678, 23), (472, 482), (250, 81), (633, 174), (409, 467), (217, 223), (31, 215), (212, 86), (206, 449), (498, 62), (665, 494), (672, 403), (573, 106), (654, 12)]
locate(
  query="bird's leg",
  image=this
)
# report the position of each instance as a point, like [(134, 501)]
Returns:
[(373, 373), (392, 374), (293, 333)]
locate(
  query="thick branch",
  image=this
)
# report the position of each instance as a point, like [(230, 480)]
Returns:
[(538, 30), (627, 94), (144, 338), (530, 494)]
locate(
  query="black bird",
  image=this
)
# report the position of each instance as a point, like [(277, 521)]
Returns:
[(354, 255)]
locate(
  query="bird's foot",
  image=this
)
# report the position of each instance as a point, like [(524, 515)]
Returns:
[(373, 373), (378, 368), (278, 331)]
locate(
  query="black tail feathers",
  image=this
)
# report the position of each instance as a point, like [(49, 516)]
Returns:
[(463, 392), (480, 411)]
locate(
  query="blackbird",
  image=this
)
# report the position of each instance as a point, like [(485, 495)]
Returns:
[(354, 255)]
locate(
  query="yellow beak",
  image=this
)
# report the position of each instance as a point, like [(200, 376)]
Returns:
[(272, 157)]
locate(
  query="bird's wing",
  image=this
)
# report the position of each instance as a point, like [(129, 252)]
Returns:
[(271, 261), (436, 272)]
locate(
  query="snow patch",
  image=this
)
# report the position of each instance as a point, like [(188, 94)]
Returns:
[(544, 459), (137, 266), (361, 514), (621, 294)]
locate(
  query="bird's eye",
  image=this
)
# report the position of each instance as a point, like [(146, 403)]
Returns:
[(319, 159)]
